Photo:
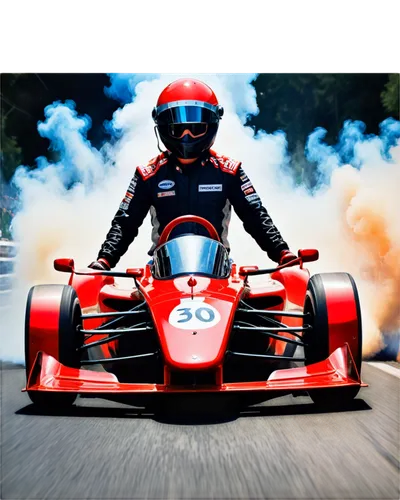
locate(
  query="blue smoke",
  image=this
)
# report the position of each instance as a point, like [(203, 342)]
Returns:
[(123, 85), (123, 90), (78, 161), (390, 134), (351, 134), (346, 151)]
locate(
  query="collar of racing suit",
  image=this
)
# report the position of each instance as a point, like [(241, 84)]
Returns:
[(200, 162)]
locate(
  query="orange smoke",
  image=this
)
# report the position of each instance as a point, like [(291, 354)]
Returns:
[(370, 211)]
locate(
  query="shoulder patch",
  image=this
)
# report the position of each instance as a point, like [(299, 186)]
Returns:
[(152, 167), (226, 164)]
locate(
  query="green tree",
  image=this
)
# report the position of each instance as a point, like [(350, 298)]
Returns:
[(5, 222), (390, 95), (10, 159), (11, 154)]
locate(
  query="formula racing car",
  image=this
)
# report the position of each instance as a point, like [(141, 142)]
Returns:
[(192, 322)]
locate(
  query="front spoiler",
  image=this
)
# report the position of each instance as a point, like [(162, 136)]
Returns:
[(338, 370)]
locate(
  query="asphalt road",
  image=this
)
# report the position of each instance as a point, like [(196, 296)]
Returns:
[(281, 450)]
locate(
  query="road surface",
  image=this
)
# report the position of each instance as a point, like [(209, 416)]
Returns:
[(283, 449)]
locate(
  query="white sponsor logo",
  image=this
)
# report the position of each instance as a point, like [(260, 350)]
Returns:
[(204, 188), (165, 193), (132, 185), (246, 185), (166, 184), (252, 197), (194, 315), (229, 164)]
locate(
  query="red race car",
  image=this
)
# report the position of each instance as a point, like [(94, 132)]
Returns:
[(192, 323)]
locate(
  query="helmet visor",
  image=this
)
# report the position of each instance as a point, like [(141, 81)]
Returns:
[(186, 114)]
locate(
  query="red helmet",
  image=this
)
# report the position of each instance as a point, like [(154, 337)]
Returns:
[(187, 117)]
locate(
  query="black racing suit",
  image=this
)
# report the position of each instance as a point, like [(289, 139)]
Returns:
[(207, 188)]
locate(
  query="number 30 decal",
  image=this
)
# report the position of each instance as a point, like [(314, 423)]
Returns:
[(194, 315)]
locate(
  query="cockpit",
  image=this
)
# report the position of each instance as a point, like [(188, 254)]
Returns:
[(191, 254)]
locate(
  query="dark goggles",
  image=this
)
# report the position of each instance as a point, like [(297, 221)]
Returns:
[(178, 130)]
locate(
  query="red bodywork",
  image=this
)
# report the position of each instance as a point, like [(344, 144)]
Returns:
[(193, 349)]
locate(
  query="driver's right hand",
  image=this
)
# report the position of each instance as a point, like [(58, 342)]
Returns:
[(286, 256), (100, 264)]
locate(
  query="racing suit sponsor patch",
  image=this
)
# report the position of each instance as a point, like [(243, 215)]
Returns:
[(244, 177), (225, 163), (229, 165), (152, 167), (247, 185), (147, 171), (167, 184), (128, 197), (124, 205), (206, 188), (162, 194), (248, 191), (252, 197), (132, 185)]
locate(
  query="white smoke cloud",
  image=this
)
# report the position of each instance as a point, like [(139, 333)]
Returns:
[(67, 207)]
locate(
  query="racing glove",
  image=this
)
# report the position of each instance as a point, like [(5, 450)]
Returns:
[(100, 264), (286, 256)]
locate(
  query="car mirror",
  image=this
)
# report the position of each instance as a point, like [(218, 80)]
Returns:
[(64, 265), (308, 255), (243, 270)]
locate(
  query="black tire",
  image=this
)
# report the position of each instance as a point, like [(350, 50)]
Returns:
[(317, 338), (69, 340)]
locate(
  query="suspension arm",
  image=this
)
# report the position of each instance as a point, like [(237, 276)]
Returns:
[(111, 314), (264, 356), (267, 331), (114, 360), (118, 330), (274, 313)]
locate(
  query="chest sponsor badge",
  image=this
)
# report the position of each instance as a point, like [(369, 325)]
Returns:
[(166, 184), (162, 194), (208, 188)]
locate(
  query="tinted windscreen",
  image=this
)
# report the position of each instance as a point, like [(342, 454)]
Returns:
[(191, 254)]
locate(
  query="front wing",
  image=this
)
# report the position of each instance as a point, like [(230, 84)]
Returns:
[(338, 370)]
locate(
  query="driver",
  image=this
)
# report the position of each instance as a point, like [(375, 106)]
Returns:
[(189, 178)]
